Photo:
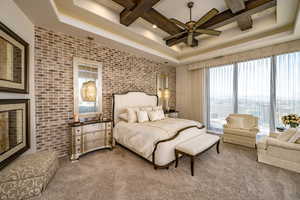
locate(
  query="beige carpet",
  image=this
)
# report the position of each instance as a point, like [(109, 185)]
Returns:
[(120, 175)]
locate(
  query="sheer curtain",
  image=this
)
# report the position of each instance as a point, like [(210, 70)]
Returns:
[(220, 96), (254, 79), (287, 85)]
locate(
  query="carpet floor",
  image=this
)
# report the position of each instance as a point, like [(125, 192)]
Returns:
[(233, 174)]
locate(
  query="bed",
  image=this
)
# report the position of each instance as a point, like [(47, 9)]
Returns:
[(154, 141)]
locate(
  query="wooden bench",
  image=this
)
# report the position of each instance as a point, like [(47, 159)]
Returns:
[(195, 146)]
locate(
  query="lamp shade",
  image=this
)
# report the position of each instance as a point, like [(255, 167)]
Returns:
[(167, 93), (89, 91)]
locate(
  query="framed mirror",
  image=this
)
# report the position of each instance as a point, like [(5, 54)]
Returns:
[(13, 62), (87, 88), (14, 129)]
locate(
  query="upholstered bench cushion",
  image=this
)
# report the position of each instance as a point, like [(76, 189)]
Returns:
[(197, 144), (28, 176)]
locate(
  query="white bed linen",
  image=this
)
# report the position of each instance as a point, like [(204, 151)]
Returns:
[(142, 137)]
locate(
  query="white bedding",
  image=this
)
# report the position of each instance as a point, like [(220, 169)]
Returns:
[(142, 137)]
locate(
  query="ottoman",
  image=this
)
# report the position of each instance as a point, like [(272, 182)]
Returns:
[(28, 176)]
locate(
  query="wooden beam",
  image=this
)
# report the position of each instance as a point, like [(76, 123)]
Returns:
[(235, 6), (125, 3), (227, 17), (245, 23), (153, 17), (128, 16)]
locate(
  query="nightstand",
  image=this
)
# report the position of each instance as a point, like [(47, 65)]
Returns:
[(90, 136), (172, 114)]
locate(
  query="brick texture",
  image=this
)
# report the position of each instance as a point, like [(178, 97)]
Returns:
[(54, 54)]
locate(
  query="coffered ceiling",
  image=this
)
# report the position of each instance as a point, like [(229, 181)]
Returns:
[(101, 20)]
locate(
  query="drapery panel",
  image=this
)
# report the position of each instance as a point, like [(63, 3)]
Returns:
[(220, 102), (287, 85), (267, 88), (253, 93)]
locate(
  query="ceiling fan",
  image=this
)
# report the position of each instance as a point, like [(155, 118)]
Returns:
[(192, 27)]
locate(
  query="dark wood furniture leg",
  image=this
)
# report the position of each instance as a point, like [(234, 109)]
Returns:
[(218, 143), (192, 165), (176, 158)]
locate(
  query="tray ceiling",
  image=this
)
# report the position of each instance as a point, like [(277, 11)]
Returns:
[(101, 19)]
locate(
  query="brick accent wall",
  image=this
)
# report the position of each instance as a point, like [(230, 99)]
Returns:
[(54, 54)]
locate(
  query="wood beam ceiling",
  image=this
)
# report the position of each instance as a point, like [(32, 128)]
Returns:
[(134, 9), (227, 17), (244, 22)]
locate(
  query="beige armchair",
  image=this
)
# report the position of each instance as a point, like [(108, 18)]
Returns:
[(241, 129), (276, 151)]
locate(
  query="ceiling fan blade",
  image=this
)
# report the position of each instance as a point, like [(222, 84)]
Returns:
[(175, 36), (179, 23), (190, 39), (208, 32), (213, 12)]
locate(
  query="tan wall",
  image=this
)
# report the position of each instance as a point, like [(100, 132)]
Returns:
[(54, 54)]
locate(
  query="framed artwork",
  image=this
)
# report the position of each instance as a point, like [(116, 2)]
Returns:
[(13, 62), (14, 129)]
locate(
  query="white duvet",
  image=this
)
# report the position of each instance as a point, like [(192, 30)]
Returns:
[(142, 137)]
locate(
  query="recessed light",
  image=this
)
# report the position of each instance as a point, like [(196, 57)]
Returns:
[(154, 26)]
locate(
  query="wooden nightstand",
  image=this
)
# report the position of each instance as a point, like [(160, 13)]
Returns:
[(90, 136), (172, 114)]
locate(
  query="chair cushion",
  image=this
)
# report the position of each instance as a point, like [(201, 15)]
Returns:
[(241, 132), (197, 144)]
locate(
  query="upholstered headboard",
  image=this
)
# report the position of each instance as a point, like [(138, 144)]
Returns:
[(131, 99)]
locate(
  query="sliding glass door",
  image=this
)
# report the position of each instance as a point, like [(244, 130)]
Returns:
[(267, 88), (220, 96), (254, 90), (287, 85)]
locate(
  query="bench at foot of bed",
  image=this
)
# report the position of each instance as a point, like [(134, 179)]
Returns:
[(196, 146)]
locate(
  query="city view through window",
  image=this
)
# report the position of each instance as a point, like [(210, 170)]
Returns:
[(248, 85)]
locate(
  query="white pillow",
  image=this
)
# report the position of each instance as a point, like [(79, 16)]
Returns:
[(131, 113), (295, 137), (157, 108), (142, 116), (161, 114), (156, 115), (124, 116)]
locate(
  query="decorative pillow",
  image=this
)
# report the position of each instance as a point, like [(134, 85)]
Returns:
[(124, 117), (142, 116), (155, 108), (131, 114), (154, 116), (287, 135), (295, 137)]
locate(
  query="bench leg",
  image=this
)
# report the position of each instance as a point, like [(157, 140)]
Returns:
[(176, 159), (192, 165), (218, 143)]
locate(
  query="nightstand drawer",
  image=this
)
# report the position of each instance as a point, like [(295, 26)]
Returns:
[(93, 127), (94, 136), (94, 144)]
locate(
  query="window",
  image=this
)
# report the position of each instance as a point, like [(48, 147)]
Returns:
[(287, 85), (221, 96), (267, 88), (254, 90)]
